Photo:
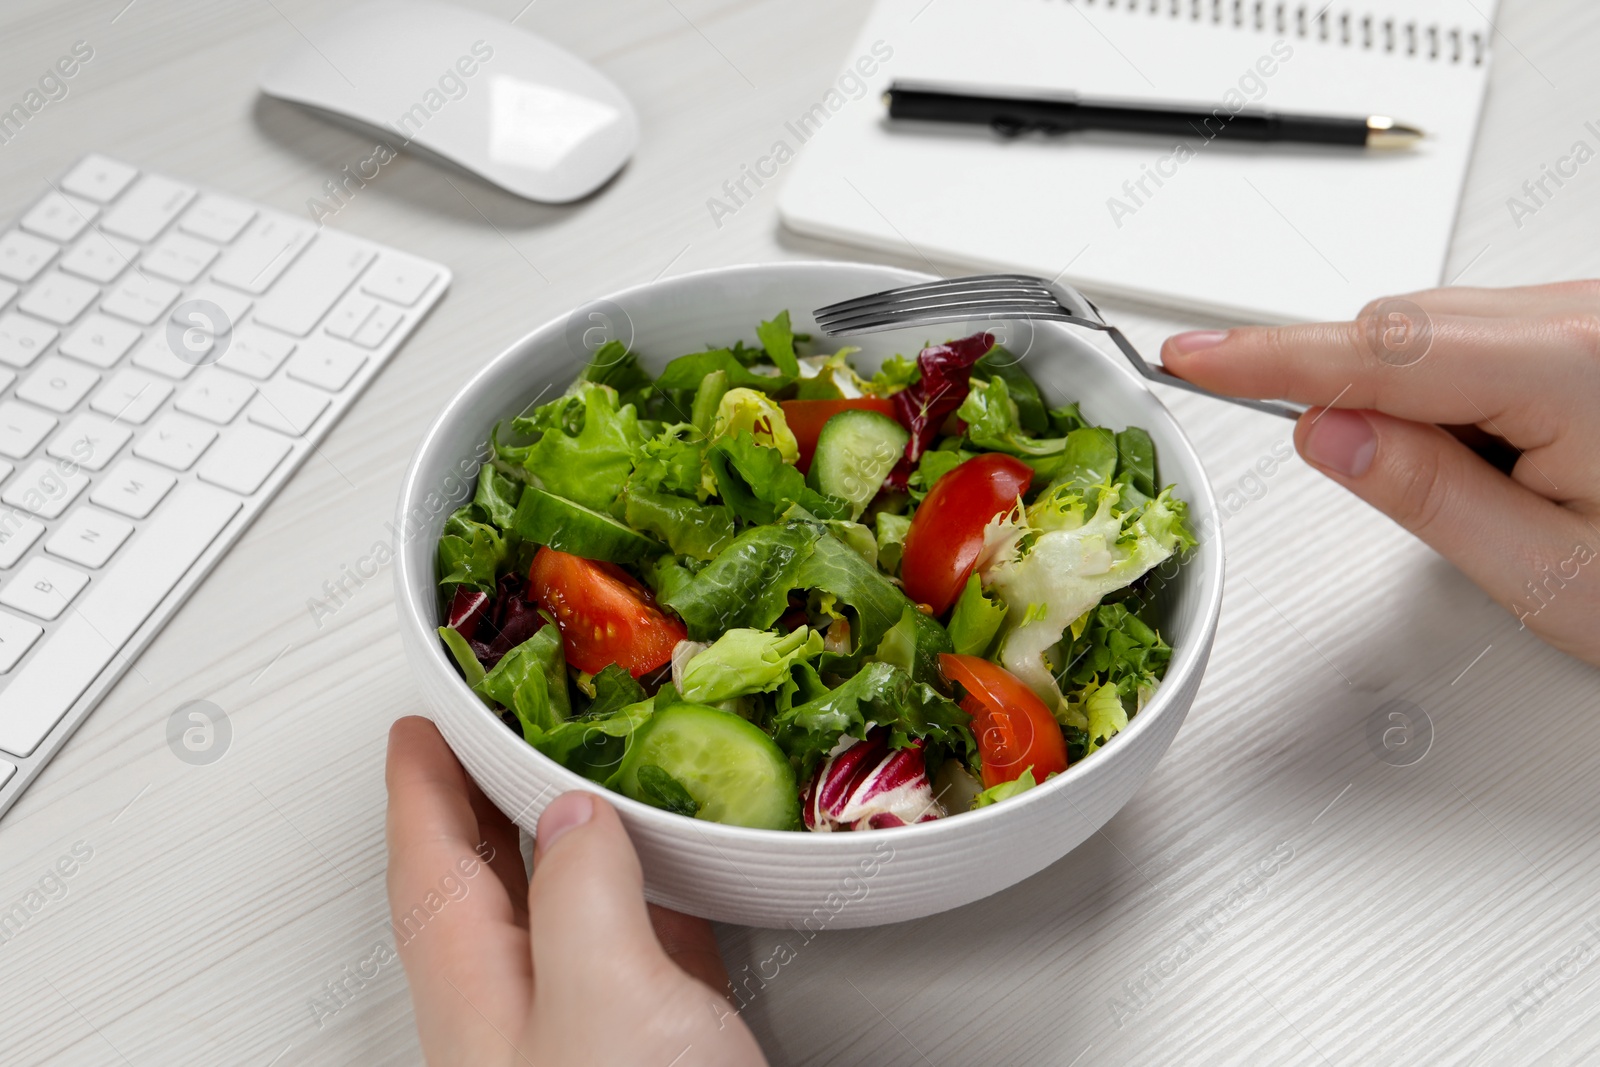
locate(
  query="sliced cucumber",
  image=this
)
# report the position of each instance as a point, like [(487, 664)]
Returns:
[(570, 527), (856, 450), (735, 773)]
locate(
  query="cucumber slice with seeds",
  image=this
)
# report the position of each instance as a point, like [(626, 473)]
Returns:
[(856, 450)]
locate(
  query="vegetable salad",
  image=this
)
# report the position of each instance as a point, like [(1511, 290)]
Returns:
[(763, 589)]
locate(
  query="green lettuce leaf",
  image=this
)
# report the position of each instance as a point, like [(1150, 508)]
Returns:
[(497, 496), (880, 693), (660, 789), (586, 445), (707, 399), (894, 374), (593, 745), (1136, 463), (612, 364), (975, 620), (531, 681), (685, 372), (688, 528), (933, 465), (462, 653), (746, 661), (892, 530), (1118, 647), (470, 551), (878, 605), (614, 688), (778, 340), (760, 486), (1106, 715), (745, 412), (993, 421), (746, 585), (673, 461), (998, 362), (1004, 791)]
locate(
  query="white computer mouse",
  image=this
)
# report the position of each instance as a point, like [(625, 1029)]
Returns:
[(499, 101)]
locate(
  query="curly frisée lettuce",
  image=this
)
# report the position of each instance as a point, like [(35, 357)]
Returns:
[(1054, 560), (691, 587)]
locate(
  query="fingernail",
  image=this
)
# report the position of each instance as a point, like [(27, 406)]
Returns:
[(1342, 441), (566, 812), (1197, 341)]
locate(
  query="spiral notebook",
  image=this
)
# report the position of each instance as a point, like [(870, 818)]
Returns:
[(1265, 232)]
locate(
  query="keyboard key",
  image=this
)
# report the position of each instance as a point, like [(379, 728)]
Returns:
[(89, 638), (377, 329), (264, 252), (215, 396), (44, 489), (17, 535), (216, 218), (16, 637), (305, 292), (286, 407), (59, 217), (147, 208), (23, 256), (130, 396), (156, 353), (132, 488), (256, 351), (98, 178), (100, 340), (140, 298), (88, 537), (325, 363), (351, 314), (43, 588), (58, 384), (99, 257), (58, 298), (233, 304), (22, 339), (90, 441), (179, 257), (22, 428), (7, 769), (398, 279), (7, 291), (242, 460), (175, 441)]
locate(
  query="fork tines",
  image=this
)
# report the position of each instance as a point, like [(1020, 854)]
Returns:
[(950, 300)]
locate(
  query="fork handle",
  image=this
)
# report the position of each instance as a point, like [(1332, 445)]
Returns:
[(1271, 407), (1157, 373)]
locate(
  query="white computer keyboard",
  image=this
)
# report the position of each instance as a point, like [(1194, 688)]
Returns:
[(168, 357)]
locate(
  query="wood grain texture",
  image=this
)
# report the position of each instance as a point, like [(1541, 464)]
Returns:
[(1407, 909)]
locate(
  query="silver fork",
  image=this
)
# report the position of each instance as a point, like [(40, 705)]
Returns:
[(1003, 296)]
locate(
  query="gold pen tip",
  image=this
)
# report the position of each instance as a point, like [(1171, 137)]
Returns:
[(1385, 132)]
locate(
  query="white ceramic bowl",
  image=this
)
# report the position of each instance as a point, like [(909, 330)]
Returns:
[(764, 877)]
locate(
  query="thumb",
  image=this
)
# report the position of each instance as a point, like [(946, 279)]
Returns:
[(587, 918), (1502, 535)]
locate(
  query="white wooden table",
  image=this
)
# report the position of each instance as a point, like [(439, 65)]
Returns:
[(1439, 912)]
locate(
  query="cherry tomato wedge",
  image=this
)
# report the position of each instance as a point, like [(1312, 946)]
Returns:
[(605, 616), (806, 418), (1015, 730), (946, 534)]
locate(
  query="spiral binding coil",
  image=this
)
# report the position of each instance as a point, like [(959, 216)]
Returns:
[(1348, 28)]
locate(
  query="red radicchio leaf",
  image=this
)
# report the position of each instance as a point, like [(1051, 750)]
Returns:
[(923, 406), (511, 619)]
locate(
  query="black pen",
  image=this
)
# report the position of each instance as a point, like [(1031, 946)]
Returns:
[(1014, 113)]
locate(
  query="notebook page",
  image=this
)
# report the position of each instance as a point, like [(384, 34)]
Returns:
[(1271, 232)]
